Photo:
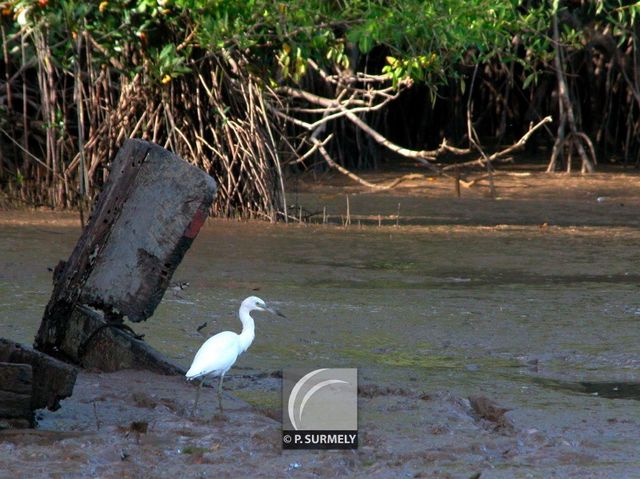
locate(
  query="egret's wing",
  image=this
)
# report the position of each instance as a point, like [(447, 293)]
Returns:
[(216, 355)]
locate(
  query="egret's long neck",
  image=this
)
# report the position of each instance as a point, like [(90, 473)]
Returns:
[(248, 329)]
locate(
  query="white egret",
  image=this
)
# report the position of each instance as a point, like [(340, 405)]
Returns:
[(218, 353)]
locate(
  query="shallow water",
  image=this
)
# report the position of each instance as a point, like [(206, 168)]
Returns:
[(542, 320)]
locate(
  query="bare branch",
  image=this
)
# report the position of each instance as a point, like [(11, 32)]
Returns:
[(502, 153), (523, 140), (353, 176), (424, 155), (313, 149)]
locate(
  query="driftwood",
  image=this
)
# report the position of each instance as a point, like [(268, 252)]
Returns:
[(16, 384), (143, 222), (30, 380), (94, 343)]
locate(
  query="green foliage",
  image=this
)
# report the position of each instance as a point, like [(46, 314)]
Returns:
[(426, 38), (429, 38), (70, 54), (421, 40), (425, 41), (167, 63)]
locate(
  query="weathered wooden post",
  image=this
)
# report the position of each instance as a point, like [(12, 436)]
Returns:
[(148, 214), (30, 380), (146, 217)]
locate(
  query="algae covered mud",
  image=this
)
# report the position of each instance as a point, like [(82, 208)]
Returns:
[(541, 318)]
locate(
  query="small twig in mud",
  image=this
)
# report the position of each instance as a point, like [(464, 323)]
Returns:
[(348, 220), (202, 326), (95, 413)]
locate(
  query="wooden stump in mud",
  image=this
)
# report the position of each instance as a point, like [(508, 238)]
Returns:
[(15, 395), (30, 380), (145, 219), (94, 343)]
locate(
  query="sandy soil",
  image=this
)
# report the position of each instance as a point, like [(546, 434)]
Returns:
[(524, 182), (528, 197)]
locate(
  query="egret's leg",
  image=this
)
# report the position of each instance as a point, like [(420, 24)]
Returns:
[(220, 393), (195, 406)]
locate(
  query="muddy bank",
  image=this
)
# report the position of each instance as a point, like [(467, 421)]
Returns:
[(536, 313), (139, 424), (534, 199)]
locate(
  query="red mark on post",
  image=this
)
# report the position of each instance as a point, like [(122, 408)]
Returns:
[(196, 224)]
